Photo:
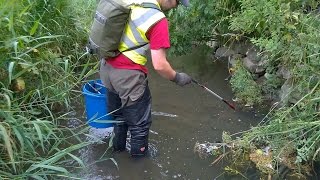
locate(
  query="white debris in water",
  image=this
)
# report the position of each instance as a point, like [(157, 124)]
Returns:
[(235, 99), (163, 174), (266, 150), (153, 132), (205, 149), (249, 105), (98, 134), (159, 165), (153, 151), (163, 114)]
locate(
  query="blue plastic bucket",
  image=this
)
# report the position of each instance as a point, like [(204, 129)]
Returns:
[(95, 97)]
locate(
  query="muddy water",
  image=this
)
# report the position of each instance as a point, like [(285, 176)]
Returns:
[(181, 116)]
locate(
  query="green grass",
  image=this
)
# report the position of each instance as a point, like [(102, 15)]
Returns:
[(42, 47)]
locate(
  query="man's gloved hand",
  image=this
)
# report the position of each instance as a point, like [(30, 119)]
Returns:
[(182, 79)]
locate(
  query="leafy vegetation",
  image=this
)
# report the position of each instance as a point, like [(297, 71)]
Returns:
[(42, 61), (204, 21), (244, 86), (287, 32)]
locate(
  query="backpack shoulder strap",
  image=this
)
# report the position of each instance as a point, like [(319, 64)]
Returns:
[(144, 5), (150, 5)]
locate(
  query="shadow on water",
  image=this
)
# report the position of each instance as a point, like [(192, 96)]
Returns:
[(181, 116)]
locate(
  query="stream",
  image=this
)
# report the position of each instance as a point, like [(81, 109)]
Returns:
[(182, 116)]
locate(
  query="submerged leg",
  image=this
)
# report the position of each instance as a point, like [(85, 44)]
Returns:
[(138, 118), (120, 128)]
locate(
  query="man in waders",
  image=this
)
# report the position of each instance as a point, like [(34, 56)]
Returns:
[(125, 75)]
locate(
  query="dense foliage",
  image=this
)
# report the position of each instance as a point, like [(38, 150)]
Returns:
[(287, 32), (41, 62)]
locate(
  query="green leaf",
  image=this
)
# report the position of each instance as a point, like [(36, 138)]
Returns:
[(7, 174), (56, 157), (10, 69), (34, 176), (77, 159), (6, 96), (66, 65), (19, 137), (34, 27), (39, 134), (54, 168), (25, 70), (8, 145), (115, 162)]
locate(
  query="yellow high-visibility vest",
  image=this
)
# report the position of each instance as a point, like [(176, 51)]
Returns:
[(134, 36)]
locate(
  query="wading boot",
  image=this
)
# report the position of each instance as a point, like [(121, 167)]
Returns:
[(139, 146), (120, 137), (138, 118), (120, 127)]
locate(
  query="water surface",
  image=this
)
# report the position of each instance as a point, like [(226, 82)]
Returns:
[(181, 116)]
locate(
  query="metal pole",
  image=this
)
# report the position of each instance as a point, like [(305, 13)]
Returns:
[(216, 95)]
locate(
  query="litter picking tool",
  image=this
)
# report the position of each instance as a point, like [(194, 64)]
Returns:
[(216, 95)]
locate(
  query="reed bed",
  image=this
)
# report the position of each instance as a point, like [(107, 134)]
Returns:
[(42, 62)]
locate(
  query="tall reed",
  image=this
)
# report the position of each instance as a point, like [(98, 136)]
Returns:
[(41, 62)]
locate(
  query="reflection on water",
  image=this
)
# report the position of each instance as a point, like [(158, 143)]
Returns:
[(182, 116)]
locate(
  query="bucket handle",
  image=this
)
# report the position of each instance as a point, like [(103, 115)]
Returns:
[(94, 88), (89, 94), (99, 84)]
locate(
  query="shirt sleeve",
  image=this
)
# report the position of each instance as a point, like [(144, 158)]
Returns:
[(158, 35)]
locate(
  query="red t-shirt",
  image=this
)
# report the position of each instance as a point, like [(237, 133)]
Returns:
[(158, 36)]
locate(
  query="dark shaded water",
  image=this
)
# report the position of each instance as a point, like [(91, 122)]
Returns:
[(182, 116)]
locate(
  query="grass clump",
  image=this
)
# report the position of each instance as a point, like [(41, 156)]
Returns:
[(41, 63)]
